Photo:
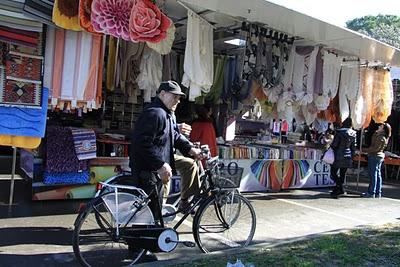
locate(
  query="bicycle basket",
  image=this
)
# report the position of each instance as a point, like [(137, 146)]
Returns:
[(226, 177)]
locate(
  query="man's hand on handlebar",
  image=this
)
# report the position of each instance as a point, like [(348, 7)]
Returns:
[(165, 173), (195, 153)]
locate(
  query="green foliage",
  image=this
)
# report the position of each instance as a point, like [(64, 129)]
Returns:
[(385, 28)]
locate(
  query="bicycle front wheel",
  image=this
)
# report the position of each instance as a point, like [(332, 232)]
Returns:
[(223, 222), (95, 239)]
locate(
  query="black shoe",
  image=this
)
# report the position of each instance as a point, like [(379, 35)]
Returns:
[(147, 257), (184, 207), (334, 195), (367, 195)]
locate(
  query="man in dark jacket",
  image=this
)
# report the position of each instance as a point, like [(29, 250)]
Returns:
[(154, 139), (344, 146)]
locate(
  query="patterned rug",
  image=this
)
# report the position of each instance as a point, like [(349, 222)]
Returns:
[(23, 66), (84, 142), (16, 92)]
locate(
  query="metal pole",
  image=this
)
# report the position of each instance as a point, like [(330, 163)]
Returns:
[(14, 160), (359, 157)]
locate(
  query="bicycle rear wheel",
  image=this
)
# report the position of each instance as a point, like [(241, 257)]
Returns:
[(223, 222), (95, 240)]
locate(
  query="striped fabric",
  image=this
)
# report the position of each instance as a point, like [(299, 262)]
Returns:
[(73, 67), (41, 10), (11, 15), (84, 142)]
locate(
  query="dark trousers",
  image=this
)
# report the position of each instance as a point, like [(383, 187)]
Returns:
[(339, 180), (152, 185)]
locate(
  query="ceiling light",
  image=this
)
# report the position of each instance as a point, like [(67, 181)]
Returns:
[(236, 41)]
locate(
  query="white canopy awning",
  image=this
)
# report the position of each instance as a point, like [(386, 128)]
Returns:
[(297, 24)]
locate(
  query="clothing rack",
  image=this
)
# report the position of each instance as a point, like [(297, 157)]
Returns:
[(188, 8)]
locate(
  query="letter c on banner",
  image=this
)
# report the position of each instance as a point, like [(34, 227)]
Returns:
[(318, 166)]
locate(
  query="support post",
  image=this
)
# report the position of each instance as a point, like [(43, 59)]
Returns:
[(14, 160), (359, 158)]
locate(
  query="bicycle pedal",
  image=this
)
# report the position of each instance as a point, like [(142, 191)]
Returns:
[(188, 244)]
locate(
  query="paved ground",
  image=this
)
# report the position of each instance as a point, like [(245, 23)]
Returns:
[(39, 233)]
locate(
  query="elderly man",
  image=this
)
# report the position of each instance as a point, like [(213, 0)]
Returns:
[(154, 139)]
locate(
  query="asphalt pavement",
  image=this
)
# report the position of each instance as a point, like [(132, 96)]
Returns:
[(40, 233)]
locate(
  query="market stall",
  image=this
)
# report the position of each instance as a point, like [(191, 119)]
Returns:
[(281, 78)]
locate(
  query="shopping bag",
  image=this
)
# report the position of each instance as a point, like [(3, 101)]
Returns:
[(329, 156)]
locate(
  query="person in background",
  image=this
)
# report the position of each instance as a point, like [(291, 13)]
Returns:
[(344, 147), (203, 130), (376, 157)]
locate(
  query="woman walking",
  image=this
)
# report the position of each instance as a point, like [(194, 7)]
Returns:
[(344, 146), (376, 157)]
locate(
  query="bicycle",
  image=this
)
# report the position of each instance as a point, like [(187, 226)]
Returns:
[(118, 227)]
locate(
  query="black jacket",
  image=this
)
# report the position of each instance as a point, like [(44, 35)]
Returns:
[(154, 138), (344, 145)]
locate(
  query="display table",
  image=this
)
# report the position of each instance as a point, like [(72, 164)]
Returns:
[(388, 161), (100, 169)]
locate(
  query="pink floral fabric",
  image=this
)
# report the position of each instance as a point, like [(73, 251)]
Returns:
[(112, 17), (147, 23)]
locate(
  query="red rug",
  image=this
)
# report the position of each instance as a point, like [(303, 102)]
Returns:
[(20, 93)]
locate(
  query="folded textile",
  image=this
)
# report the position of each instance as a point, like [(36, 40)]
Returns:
[(66, 177), (84, 143), (61, 156), (41, 10)]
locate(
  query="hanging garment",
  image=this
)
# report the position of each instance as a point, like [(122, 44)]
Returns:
[(318, 81), (130, 55), (66, 14), (250, 56), (49, 58), (150, 75), (76, 79), (216, 90), (366, 81), (264, 61), (280, 57), (111, 63), (229, 75), (304, 73), (348, 88), (283, 91), (382, 97), (331, 73), (198, 62)]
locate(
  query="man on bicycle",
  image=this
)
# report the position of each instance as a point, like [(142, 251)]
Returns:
[(154, 138)]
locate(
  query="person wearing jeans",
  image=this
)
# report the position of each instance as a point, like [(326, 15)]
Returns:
[(375, 174), (376, 157)]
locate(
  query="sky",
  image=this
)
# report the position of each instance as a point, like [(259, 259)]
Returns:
[(337, 12)]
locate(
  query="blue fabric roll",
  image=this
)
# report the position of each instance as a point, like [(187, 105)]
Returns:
[(66, 178)]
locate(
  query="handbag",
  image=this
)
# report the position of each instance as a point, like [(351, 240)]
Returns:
[(329, 156)]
